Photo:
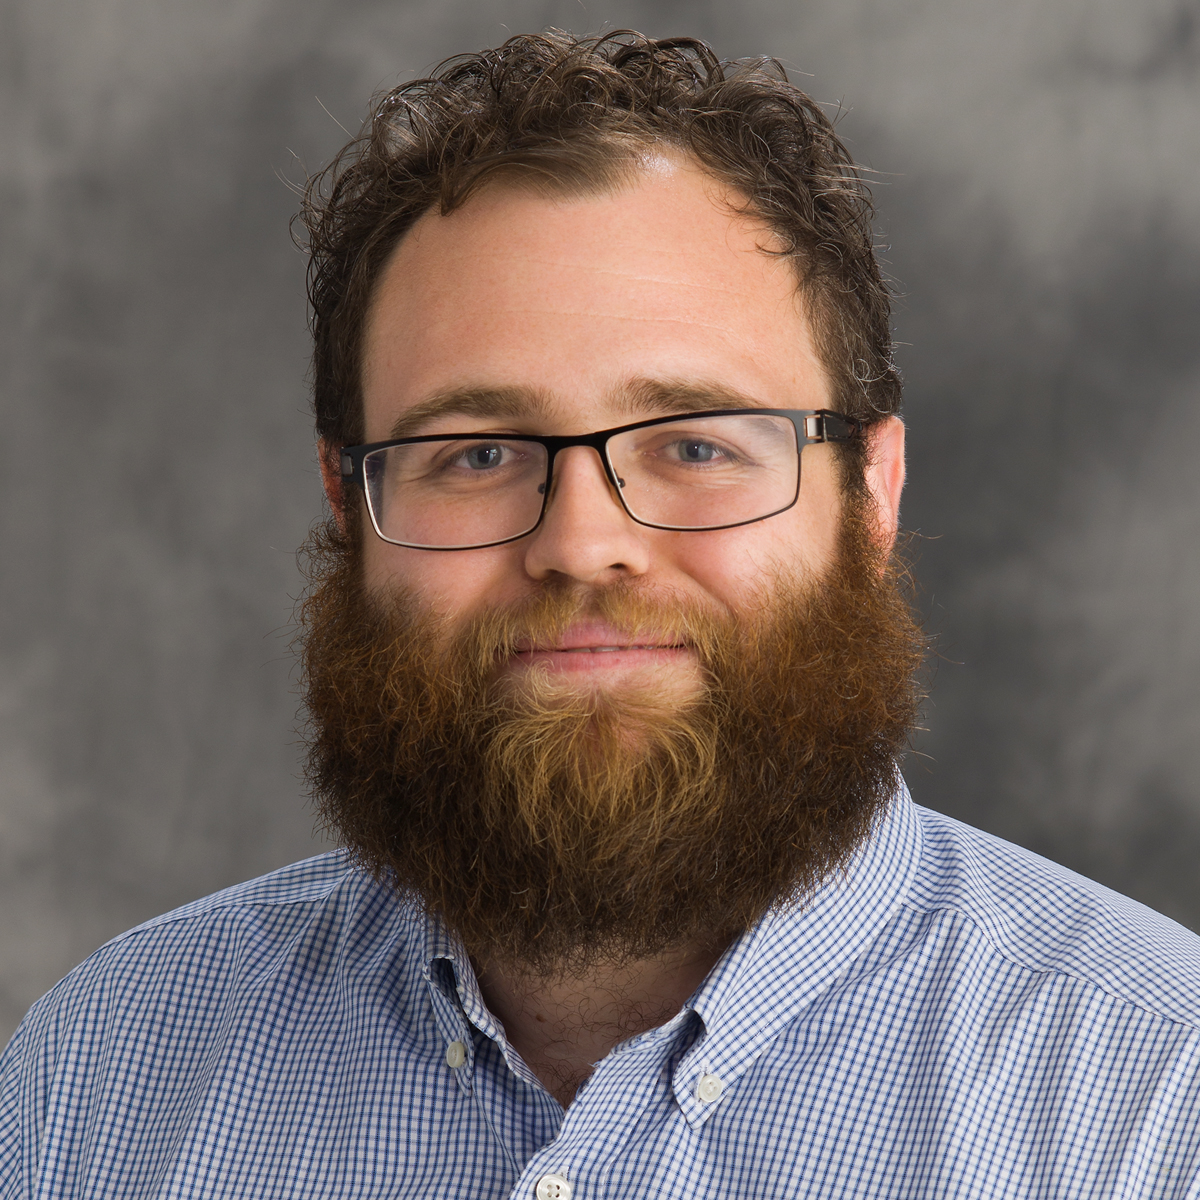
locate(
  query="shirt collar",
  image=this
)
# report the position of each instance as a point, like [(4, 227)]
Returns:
[(794, 954), (769, 974), (443, 945), (456, 994)]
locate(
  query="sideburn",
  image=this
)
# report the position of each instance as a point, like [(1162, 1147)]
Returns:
[(553, 830)]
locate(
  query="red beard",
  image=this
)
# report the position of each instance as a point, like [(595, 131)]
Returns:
[(553, 828)]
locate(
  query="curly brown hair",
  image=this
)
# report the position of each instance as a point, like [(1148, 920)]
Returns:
[(565, 114)]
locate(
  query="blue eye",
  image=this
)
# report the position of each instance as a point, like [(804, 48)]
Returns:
[(697, 451), (480, 458)]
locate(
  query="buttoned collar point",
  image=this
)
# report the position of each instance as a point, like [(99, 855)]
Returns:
[(792, 957)]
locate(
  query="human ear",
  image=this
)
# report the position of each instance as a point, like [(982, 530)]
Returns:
[(885, 478), (331, 477)]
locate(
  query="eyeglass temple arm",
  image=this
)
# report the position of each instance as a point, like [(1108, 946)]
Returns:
[(827, 426), (351, 467)]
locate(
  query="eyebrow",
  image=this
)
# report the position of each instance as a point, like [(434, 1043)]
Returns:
[(650, 397), (518, 403), (637, 398)]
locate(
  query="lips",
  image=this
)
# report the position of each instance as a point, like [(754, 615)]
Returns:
[(594, 637), (613, 649)]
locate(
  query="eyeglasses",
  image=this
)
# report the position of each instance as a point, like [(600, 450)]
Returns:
[(704, 470)]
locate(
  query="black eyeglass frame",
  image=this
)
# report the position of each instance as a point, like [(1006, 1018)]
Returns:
[(812, 426)]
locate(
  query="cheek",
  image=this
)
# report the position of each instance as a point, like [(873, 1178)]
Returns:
[(732, 565), (735, 566), (453, 583)]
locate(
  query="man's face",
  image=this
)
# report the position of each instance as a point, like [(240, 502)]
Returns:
[(554, 804), (584, 307)]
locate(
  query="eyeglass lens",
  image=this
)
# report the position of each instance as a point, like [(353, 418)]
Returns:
[(693, 473)]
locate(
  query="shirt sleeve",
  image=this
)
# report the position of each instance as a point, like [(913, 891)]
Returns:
[(12, 1159)]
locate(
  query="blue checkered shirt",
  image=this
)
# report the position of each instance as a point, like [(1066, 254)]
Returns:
[(951, 1017)]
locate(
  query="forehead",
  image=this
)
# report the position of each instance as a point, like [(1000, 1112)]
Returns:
[(581, 299)]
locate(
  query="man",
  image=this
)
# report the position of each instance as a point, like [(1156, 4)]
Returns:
[(609, 673)]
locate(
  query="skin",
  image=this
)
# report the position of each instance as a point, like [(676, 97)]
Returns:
[(574, 302)]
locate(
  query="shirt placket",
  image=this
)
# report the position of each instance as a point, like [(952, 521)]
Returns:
[(605, 1115)]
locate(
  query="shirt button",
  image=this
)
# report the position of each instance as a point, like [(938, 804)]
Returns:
[(709, 1088), (456, 1054), (553, 1187)]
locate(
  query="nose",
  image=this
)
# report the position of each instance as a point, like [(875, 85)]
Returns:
[(585, 534)]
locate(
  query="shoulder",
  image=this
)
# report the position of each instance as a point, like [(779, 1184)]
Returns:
[(255, 919), (1042, 917), (220, 997), (190, 964)]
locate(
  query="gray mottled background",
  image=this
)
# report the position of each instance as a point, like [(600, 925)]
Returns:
[(1040, 188)]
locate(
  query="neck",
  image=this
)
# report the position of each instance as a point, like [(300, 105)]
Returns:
[(562, 1025)]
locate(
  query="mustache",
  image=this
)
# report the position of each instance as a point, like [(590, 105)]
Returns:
[(545, 619)]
